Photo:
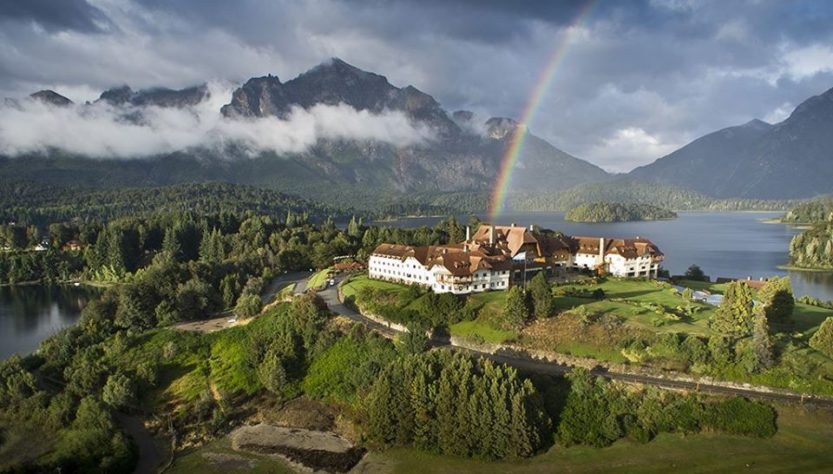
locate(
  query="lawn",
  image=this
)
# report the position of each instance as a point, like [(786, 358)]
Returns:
[(802, 444), (356, 283), (483, 331), (318, 281), (636, 300)]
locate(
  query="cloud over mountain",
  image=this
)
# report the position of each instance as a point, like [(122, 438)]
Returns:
[(103, 130)]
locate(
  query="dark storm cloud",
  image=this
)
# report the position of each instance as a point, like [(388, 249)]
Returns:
[(638, 78), (54, 14)]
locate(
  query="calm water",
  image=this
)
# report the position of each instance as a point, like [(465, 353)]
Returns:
[(29, 314), (726, 244)]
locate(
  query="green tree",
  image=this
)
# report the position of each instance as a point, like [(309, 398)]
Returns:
[(694, 273), (777, 299), (353, 229), (822, 340), (516, 310), (211, 247), (761, 344), (272, 373), (118, 391), (735, 314), (413, 341), (248, 305), (720, 350), (541, 295)]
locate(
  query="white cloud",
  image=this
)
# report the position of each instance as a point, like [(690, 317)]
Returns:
[(630, 146), (779, 113), (102, 131), (808, 61)]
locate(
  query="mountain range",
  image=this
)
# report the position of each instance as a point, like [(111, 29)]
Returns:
[(787, 160), (464, 153), (756, 160)]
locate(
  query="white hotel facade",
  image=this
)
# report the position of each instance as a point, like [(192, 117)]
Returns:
[(495, 254)]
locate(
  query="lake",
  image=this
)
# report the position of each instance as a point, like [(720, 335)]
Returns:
[(723, 244), (29, 314)]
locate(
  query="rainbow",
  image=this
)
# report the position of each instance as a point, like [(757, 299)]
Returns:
[(518, 138)]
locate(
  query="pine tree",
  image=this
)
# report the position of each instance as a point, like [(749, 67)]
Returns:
[(447, 411), (382, 420), (822, 340), (734, 316), (541, 296), (423, 396), (761, 342), (499, 402), (516, 311), (353, 229), (211, 247)]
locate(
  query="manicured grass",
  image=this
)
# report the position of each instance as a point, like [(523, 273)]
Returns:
[(479, 330), (802, 444), (807, 318), (318, 281), (630, 295), (218, 457), (356, 283), (489, 304)]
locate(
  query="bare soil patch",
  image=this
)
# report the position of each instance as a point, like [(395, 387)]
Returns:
[(313, 450)]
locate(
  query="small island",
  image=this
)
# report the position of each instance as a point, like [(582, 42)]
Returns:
[(598, 212)]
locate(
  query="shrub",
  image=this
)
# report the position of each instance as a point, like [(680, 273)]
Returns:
[(741, 417), (248, 305), (822, 340)]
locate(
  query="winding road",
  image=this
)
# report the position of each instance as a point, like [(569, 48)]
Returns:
[(330, 297)]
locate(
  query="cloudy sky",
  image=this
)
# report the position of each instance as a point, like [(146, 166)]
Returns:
[(637, 79)]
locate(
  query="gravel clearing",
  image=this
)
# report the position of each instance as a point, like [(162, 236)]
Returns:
[(312, 450)]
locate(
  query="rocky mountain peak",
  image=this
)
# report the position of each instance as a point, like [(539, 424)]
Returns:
[(116, 95), (51, 97), (462, 116), (157, 96), (499, 127)]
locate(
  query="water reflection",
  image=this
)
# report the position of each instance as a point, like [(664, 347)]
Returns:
[(29, 314)]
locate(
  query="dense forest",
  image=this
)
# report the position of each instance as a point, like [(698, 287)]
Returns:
[(625, 190), (813, 247), (810, 212), (617, 212), (39, 204)]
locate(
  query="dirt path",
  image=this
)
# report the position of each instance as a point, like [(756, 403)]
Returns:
[(150, 455)]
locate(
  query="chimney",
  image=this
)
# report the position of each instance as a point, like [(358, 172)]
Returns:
[(468, 233), (602, 248), (512, 225), (492, 234), (531, 227)]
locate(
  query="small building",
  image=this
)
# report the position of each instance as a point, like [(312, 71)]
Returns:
[(72, 246)]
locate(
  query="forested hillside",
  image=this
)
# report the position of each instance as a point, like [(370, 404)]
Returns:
[(40, 204), (617, 212), (627, 190)]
